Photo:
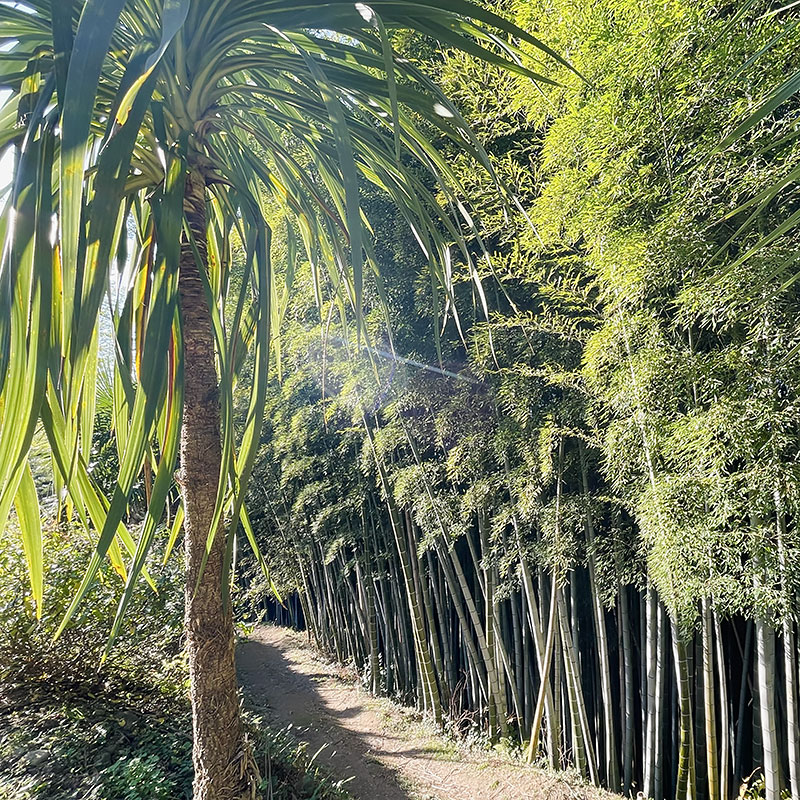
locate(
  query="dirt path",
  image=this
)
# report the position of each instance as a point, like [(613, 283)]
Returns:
[(387, 751)]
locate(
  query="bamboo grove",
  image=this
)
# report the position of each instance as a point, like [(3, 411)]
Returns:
[(570, 521)]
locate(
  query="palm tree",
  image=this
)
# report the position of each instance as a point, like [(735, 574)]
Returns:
[(148, 136)]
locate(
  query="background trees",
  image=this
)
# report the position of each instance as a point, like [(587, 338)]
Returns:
[(577, 528)]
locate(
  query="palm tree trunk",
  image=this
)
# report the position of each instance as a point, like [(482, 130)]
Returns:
[(218, 742)]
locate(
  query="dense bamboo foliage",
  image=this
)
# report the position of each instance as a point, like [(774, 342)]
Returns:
[(577, 528)]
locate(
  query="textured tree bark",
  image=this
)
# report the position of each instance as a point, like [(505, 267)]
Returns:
[(218, 743)]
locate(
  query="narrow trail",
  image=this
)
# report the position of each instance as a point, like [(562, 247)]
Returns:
[(388, 753)]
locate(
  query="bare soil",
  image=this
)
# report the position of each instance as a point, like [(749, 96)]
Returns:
[(387, 752)]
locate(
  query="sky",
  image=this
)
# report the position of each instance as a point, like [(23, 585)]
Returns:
[(6, 167), (7, 161)]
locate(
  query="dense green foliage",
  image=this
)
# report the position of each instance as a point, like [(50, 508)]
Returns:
[(601, 483), (73, 728)]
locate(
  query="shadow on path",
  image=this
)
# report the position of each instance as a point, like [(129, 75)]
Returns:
[(374, 741), (321, 714)]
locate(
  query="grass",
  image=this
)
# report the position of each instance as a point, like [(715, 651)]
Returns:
[(288, 771)]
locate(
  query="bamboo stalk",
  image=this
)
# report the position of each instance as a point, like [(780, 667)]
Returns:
[(601, 635), (765, 652), (544, 674), (789, 657), (709, 702), (724, 720), (627, 693), (582, 739), (686, 779)]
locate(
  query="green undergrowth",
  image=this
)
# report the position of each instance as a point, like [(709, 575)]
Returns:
[(97, 747), (85, 742), (73, 729), (288, 770)]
